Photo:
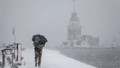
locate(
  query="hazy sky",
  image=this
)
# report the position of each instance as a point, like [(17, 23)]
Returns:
[(99, 18)]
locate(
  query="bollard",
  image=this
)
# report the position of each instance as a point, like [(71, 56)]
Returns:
[(7, 56), (18, 49), (3, 58)]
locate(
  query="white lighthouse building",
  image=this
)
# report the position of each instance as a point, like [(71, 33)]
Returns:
[(74, 37)]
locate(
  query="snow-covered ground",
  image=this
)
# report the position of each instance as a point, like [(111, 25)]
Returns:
[(52, 59)]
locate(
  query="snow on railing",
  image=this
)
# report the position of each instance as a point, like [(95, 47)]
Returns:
[(12, 55)]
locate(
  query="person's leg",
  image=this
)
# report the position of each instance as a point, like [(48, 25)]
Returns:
[(36, 57), (39, 58)]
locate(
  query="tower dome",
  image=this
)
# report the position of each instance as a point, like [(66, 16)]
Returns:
[(74, 17)]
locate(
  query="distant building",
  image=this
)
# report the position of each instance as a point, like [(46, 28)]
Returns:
[(74, 28), (75, 39)]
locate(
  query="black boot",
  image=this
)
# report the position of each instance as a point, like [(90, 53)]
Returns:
[(36, 64)]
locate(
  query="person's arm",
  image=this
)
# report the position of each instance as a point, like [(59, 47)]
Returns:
[(34, 44)]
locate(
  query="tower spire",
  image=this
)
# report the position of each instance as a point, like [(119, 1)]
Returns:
[(74, 5)]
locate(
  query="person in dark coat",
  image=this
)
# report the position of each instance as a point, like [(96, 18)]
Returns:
[(38, 43)]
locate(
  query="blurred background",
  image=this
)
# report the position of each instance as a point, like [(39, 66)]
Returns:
[(99, 18), (51, 18)]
